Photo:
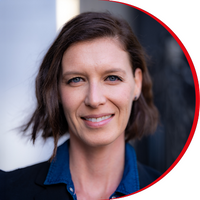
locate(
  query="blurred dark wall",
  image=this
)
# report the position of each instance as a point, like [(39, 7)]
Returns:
[(173, 85), (174, 94)]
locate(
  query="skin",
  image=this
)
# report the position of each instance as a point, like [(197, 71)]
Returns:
[(97, 80)]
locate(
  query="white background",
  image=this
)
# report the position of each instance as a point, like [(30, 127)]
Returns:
[(27, 28), (183, 18)]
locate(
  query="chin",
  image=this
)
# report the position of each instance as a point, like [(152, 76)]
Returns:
[(100, 141)]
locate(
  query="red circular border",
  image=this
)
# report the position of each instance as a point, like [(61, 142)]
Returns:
[(197, 94)]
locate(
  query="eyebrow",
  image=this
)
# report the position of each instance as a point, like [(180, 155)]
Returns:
[(106, 72), (71, 73), (115, 70)]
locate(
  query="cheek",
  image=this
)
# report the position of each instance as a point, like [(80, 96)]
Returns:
[(125, 94), (69, 101), (123, 98)]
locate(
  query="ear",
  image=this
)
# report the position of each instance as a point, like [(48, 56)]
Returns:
[(138, 83)]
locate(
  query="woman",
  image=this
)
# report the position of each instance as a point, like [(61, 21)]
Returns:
[(94, 84)]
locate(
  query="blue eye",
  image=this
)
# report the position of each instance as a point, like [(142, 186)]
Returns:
[(75, 80), (113, 78)]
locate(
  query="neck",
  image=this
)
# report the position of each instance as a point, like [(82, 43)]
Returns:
[(96, 171)]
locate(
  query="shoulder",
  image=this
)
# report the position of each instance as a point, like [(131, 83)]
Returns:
[(147, 175), (28, 183), (22, 183), (27, 173)]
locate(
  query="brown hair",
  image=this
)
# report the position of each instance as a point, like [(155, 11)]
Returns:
[(49, 116)]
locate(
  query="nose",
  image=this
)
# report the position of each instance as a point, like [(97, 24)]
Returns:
[(95, 96)]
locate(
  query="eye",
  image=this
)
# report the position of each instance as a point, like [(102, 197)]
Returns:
[(113, 78), (75, 80)]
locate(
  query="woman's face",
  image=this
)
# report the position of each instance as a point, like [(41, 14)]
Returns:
[(97, 88)]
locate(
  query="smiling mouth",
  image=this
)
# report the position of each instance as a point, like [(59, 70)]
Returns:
[(99, 119)]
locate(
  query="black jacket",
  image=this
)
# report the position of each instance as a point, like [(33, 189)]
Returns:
[(27, 183)]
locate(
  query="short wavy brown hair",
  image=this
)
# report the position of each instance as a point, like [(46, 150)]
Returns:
[(49, 115)]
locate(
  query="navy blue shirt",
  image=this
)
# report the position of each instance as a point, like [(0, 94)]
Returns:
[(59, 172)]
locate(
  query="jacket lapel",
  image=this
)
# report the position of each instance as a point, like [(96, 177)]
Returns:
[(56, 191)]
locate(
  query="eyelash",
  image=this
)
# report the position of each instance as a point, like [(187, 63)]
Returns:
[(113, 76), (74, 80)]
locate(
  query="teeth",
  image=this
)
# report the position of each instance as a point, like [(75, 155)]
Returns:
[(99, 119)]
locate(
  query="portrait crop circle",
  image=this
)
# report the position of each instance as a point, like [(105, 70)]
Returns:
[(191, 70)]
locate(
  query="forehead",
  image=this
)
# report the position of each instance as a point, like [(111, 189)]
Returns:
[(107, 52)]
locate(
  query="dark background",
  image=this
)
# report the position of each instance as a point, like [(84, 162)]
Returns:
[(173, 85), (174, 94)]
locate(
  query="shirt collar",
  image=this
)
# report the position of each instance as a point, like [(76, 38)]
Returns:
[(130, 180), (59, 171)]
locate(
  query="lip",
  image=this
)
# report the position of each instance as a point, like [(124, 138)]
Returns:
[(91, 124), (97, 116)]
